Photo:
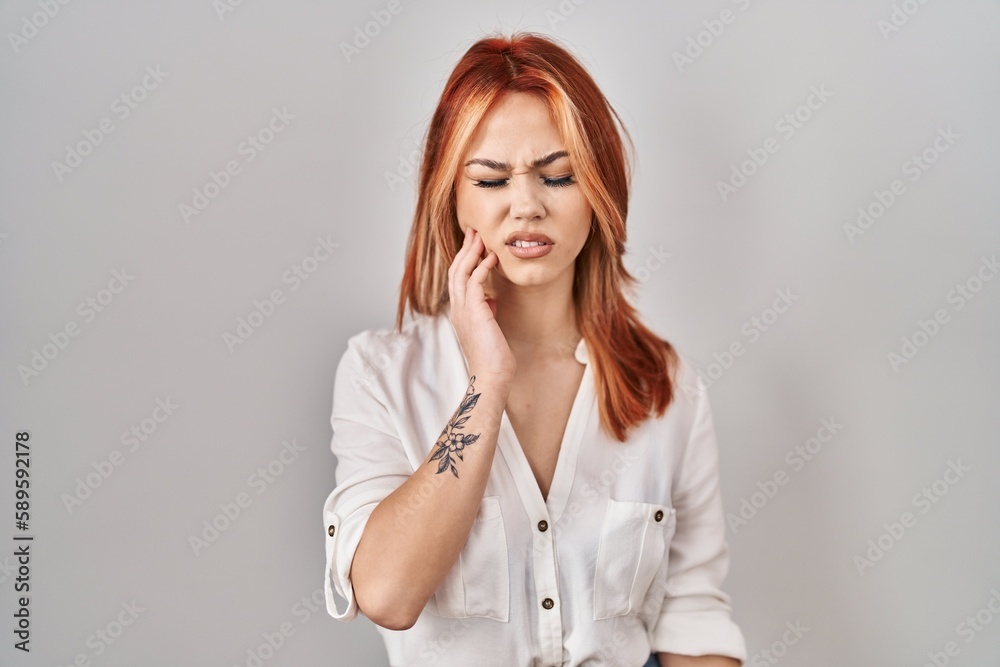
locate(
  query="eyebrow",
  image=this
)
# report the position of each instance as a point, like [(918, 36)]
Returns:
[(503, 166)]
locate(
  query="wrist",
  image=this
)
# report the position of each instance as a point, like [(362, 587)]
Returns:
[(496, 380)]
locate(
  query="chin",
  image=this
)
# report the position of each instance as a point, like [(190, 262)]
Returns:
[(527, 276)]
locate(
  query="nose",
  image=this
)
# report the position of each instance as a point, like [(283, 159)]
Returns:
[(526, 198)]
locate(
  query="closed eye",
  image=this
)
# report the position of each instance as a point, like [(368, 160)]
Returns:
[(550, 182)]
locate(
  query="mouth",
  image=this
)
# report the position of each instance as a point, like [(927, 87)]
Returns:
[(528, 240), (529, 249), (528, 244)]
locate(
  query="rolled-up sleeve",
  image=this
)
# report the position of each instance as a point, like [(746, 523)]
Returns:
[(371, 464), (695, 616)]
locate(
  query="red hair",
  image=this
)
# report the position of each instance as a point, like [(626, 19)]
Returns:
[(634, 370)]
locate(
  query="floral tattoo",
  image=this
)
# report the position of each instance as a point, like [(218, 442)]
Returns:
[(452, 441)]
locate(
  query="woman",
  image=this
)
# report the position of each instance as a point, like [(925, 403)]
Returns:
[(596, 536)]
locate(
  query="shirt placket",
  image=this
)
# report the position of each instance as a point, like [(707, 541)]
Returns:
[(543, 549), (550, 630)]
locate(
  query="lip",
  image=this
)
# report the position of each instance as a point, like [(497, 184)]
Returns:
[(528, 236), (529, 253)]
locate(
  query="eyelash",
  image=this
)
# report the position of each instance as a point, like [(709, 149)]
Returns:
[(551, 182)]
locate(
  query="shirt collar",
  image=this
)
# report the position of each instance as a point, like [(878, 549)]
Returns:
[(581, 352)]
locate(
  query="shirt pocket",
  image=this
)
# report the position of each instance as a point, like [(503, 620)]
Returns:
[(634, 545), (478, 584)]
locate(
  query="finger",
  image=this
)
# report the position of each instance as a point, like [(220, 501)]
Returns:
[(474, 290), (465, 264), (458, 294), (453, 269)]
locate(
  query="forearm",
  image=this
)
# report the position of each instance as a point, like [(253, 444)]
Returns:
[(675, 660), (415, 534)]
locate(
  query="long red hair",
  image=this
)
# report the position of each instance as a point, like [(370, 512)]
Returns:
[(634, 370)]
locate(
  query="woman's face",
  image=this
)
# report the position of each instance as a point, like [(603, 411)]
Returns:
[(517, 178)]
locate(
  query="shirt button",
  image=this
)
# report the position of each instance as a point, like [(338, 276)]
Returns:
[(548, 603), (543, 525), (330, 530), (659, 514)]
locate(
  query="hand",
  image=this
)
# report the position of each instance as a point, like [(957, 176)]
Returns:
[(473, 316)]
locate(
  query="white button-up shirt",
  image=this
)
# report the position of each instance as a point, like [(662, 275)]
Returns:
[(625, 557)]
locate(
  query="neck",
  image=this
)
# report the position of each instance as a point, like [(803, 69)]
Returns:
[(538, 321)]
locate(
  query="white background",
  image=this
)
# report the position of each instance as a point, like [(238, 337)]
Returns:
[(357, 120)]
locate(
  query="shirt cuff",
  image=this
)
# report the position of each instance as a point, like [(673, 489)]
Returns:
[(710, 632), (343, 534)]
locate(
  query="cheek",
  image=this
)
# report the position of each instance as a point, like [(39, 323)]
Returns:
[(582, 206), (461, 203), (582, 214), (472, 207)]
